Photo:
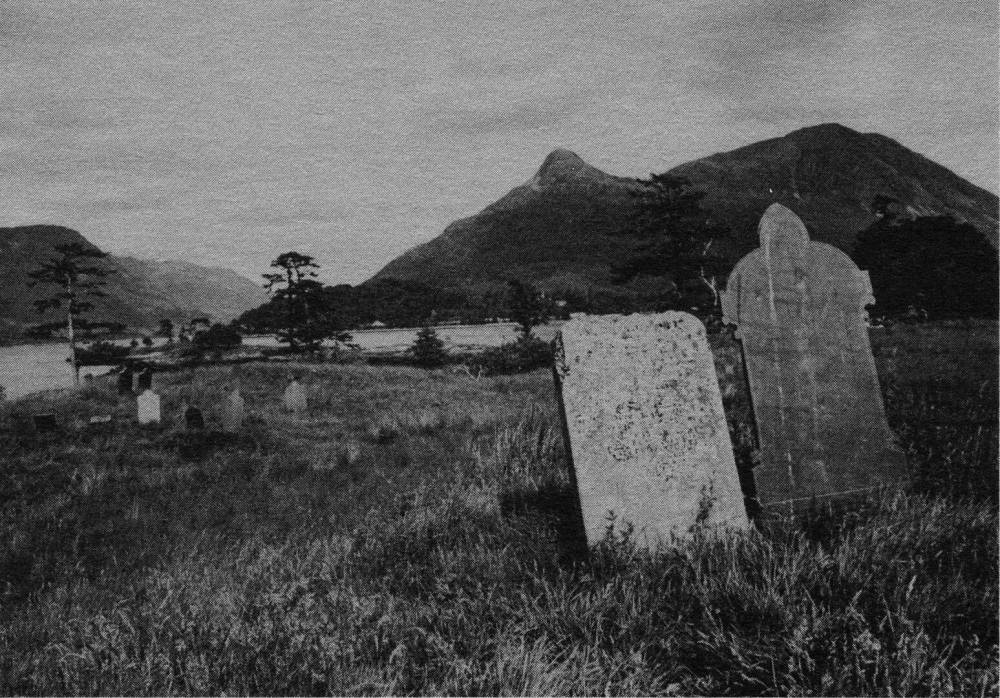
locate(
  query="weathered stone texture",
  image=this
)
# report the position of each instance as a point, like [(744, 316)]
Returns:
[(645, 426), (799, 310), (295, 397), (148, 407), (233, 412)]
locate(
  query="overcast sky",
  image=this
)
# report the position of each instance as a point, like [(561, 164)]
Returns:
[(228, 132)]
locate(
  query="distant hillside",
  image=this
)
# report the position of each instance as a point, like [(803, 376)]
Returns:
[(139, 294), (561, 228)]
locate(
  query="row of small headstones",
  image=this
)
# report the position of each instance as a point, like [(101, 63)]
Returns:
[(149, 411)]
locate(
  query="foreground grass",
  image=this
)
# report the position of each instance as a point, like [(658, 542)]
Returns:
[(412, 534)]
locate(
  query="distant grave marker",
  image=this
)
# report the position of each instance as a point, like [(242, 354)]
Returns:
[(45, 422), (645, 426), (125, 382), (99, 420), (193, 419), (144, 380), (799, 310), (295, 397), (233, 412), (148, 404)]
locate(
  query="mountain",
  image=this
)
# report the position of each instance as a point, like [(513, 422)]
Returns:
[(563, 228), (139, 292)]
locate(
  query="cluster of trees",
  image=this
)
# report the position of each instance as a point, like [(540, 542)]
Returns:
[(934, 266)]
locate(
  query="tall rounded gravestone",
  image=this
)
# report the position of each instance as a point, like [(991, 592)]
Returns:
[(799, 310)]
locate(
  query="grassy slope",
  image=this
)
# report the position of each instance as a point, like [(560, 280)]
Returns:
[(407, 536)]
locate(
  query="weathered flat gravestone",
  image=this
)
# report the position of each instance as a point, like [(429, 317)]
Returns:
[(125, 381), (233, 412), (99, 420), (799, 310), (645, 427), (193, 419), (144, 380), (295, 397), (148, 404), (44, 422)]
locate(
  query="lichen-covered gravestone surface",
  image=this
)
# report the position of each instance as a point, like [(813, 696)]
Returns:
[(645, 427), (798, 307)]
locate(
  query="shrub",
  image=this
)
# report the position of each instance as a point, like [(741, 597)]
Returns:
[(520, 356), (218, 337), (101, 354), (428, 349)]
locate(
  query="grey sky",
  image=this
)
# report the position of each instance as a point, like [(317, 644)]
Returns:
[(227, 132)]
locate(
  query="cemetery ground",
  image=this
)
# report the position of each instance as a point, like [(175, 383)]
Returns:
[(410, 534)]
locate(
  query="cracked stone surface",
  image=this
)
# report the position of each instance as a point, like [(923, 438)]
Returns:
[(645, 427)]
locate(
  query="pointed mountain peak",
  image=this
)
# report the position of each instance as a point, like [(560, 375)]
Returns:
[(561, 158), (562, 166)]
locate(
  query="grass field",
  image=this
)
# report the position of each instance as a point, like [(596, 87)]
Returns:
[(410, 535)]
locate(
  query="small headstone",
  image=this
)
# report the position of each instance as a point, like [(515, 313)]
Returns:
[(645, 427), (799, 308), (194, 419), (44, 422), (144, 380), (148, 404), (99, 423), (295, 397), (125, 382), (232, 413)]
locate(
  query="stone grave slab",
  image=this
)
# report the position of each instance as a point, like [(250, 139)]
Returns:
[(125, 382), (645, 427), (295, 397), (148, 405), (799, 310), (233, 412), (144, 380), (193, 419)]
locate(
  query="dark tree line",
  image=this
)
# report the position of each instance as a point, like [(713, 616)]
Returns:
[(934, 265)]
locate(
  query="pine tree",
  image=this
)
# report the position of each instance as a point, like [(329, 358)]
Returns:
[(78, 276), (428, 349)]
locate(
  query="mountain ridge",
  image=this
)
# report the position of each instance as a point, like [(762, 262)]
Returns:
[(565, 226), (139, 294)]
